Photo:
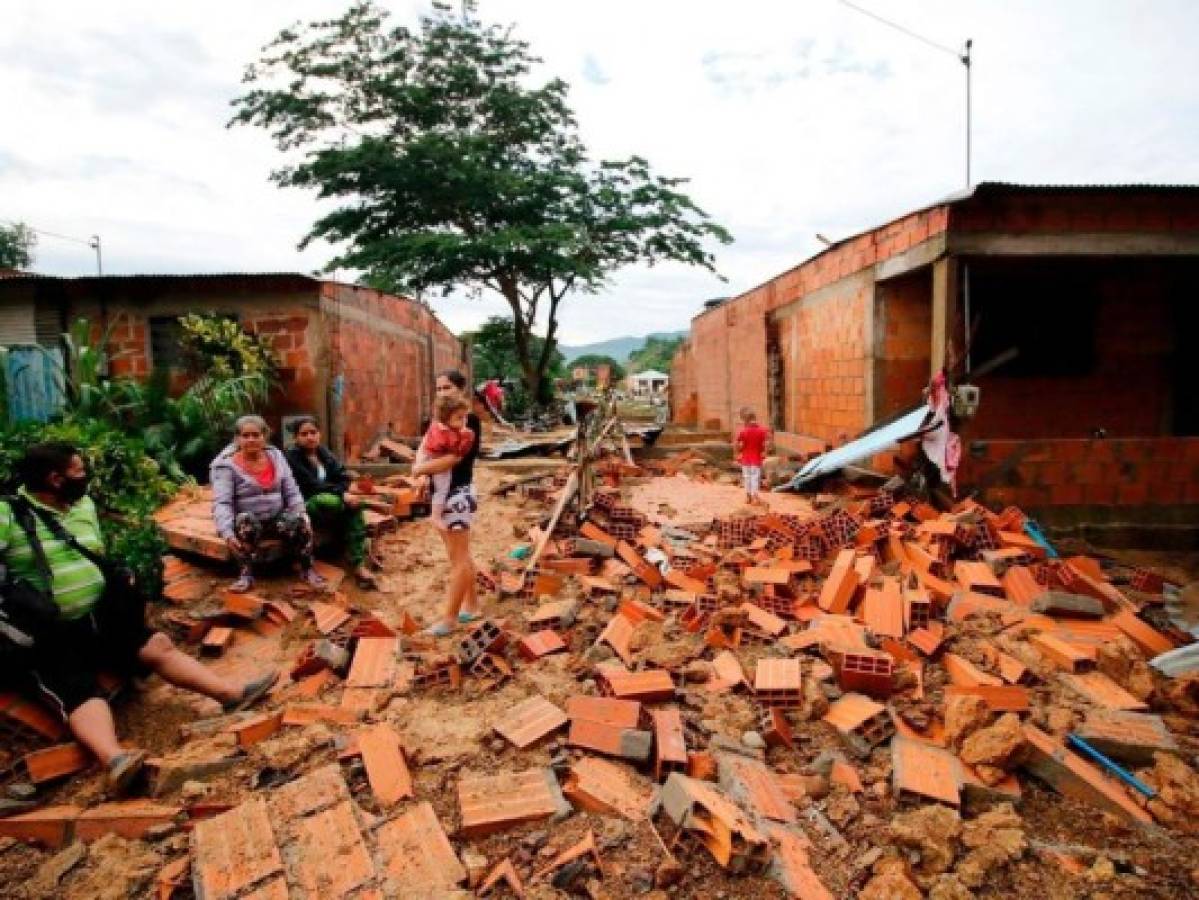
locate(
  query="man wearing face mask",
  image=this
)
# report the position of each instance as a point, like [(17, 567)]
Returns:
[(50, 539)]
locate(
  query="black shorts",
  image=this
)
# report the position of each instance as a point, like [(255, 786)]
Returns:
[(63, 668)]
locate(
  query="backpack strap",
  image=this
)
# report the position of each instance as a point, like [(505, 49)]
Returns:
[(22, 513), (56, 528)]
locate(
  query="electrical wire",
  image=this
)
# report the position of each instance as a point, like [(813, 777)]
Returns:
[(53, 234), (954, 53)]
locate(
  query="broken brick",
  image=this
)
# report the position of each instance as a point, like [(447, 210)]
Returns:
[(670, 742), (964, 673), (754, 787), (977, 578), (599, 786), (726, 832), (1070, 774), (301, 714), (541, 643), (841, 584), (861, 722), (256, 728), (374, 663), (999, 698), (416, 858), (242, 606), (217, 640), (882, 610), (505, 872), (1102, 691), (328, 617), (130, 819), (1061, 653), (494, 802), (618, 634), (775, 728), (647, 686), (777, 682), (612, 740), (234, 850), (383, 758), (49, 826), (55, 762), (922, 770), (530, 721), (1127, 736), (1151, 641)]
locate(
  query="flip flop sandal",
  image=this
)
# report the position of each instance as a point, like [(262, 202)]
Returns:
[(252, 693)]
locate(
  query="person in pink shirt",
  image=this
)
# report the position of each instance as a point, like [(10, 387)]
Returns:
[(751, 443)]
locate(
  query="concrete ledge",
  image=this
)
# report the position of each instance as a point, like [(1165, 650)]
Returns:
[(1174, 527)]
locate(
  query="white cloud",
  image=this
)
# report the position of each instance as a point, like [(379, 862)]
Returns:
[(789, 119)]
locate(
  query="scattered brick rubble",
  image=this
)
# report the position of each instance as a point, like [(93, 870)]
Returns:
[(864, 700)]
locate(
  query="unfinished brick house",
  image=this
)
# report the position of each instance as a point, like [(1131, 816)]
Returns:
[(361, 360), (1093, 286)]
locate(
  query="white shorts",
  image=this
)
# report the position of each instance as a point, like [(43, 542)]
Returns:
[(752, 477), (455, 511)]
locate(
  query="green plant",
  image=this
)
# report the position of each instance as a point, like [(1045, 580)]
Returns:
[(218, 347), (126, 484)]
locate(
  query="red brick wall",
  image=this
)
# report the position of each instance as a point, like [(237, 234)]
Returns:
[(902, 342), (824, 347), (729, 342), (684, 400), (389, 350), (1119, 472)]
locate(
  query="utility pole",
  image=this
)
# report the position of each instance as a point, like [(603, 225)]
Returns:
[(962, 57), (94, 243), (965, 57)]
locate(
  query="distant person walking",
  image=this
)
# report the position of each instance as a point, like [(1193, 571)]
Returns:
[(750, 444)]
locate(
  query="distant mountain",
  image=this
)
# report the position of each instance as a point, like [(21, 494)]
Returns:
[(617, 348)]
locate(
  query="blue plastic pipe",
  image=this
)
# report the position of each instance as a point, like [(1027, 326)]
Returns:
[(1112, 766)]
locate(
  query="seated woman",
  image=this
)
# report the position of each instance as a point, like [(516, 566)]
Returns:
[(325, 484), (254, 498)]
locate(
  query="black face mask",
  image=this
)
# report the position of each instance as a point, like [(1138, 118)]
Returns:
[(73, 489)]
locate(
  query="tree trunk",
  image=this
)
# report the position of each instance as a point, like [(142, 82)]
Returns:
[(520, 332)]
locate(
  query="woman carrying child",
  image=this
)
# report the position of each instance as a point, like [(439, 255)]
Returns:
[(447, 454)]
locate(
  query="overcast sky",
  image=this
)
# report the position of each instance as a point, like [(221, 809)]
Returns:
[(790, 118)]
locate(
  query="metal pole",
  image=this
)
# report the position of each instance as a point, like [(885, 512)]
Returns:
[(94, 243), (966, 63)]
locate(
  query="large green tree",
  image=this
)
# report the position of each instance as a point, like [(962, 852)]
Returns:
[(494, 355), (16, 246), (452, 166)]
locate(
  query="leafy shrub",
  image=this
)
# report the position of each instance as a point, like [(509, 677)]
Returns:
[(126, 484)]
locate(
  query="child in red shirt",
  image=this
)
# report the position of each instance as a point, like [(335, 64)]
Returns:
[(751, 443)]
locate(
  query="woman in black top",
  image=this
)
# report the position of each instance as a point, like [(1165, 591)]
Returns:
[(325, 484), (462, 602)]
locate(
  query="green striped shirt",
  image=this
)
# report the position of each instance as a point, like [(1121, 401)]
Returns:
[(78, 582)]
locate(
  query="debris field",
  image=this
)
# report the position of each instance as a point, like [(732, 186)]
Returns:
[(855, 695)]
